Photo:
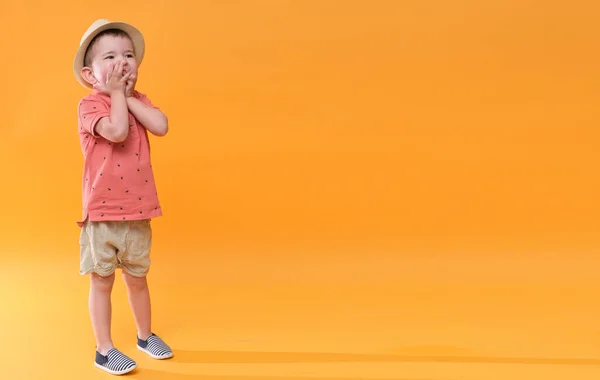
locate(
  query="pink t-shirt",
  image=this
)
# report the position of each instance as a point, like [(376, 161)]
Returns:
[(118, 182)]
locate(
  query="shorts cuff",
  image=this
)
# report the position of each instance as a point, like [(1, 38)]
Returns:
[(102, 272), (134, 273)]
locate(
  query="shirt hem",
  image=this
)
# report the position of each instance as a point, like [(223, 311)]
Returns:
[(118, 218)]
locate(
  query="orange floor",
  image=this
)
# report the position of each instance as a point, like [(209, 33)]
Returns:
[(330, 316)]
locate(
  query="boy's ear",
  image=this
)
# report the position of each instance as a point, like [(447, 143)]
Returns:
[(88, 76)]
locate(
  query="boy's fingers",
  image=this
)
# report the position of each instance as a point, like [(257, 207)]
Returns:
[(125, 77), (117, 69)]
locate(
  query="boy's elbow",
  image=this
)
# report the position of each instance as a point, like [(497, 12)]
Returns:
[(163, 128), (112, 132), (119, 136)]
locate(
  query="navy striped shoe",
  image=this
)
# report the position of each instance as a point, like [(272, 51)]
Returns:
[(155, 347), (114, 362)]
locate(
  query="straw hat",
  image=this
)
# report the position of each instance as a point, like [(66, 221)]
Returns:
[(97, 27)]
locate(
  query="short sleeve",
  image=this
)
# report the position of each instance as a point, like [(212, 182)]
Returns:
[(144, 99), (91, 110)]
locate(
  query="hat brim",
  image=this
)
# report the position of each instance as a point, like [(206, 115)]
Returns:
[(136, 37)]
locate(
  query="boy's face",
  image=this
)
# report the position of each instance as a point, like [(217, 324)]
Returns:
[(109, 51)]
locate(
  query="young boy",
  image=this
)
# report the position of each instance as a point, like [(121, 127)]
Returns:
[(119, 193)]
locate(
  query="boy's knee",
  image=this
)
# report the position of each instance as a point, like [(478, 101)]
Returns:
[(102, 282), (135, 282)]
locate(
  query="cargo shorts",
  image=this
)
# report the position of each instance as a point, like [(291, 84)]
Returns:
[(108, 245)]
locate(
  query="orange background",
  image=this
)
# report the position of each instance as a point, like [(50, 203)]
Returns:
[(413, 177)]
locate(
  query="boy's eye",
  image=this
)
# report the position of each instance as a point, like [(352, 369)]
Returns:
[(129, 55), (109, 57)]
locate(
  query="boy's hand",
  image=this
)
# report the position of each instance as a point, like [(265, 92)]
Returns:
[(130, 86), (116, 82)]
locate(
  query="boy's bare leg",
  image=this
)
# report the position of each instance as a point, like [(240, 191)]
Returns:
[(101, 310), (139, 300)]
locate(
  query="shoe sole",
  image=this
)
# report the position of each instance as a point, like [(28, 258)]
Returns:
[(154, 356), (115, 372)]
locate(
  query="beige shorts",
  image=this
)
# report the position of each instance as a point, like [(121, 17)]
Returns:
[(106, 246)]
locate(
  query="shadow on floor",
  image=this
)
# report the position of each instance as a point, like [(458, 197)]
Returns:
[(183, 356), (149, 374), (231, 357)]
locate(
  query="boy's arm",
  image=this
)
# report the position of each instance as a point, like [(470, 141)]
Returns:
[(153, 119), (116, 127)]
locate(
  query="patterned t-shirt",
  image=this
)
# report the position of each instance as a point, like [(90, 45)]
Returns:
[(118, 182)]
